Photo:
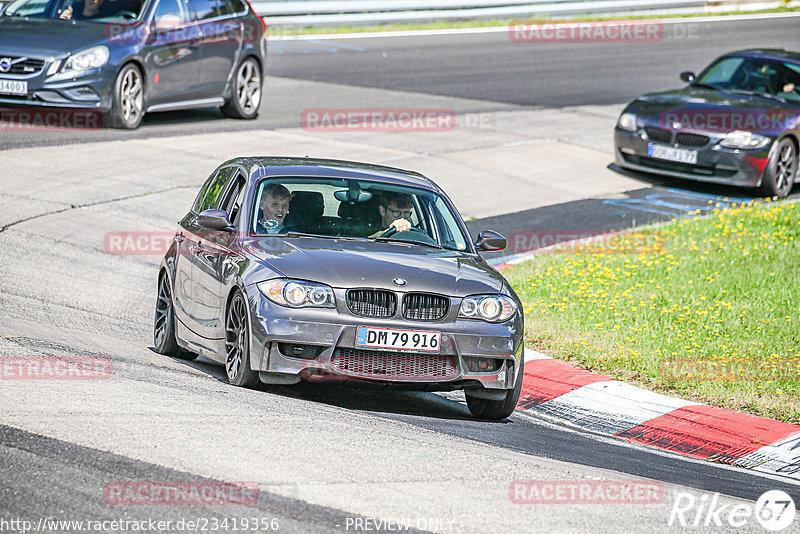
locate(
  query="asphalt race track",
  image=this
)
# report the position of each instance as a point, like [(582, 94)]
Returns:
[(325, 458)]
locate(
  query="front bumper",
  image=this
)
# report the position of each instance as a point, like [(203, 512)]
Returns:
[(92, 89), (715, 164), (332, 332)]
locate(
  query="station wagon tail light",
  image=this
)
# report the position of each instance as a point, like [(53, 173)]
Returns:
[(491, 308), (298, 293)]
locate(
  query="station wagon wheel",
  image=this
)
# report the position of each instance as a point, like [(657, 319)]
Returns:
[(237, 344), (781, 170), (128, 107), (245, 96), (164, 324)]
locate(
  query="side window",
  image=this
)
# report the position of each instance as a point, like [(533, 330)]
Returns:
[(215, 190), (233, 199), (238, 6), (225, 8), (170, 12), (205, 9)]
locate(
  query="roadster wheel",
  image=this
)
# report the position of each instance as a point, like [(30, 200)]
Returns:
[(781, 170)]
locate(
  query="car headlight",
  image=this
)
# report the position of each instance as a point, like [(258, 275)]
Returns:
[(627, 121), (743, 139), (298, 294), (492, 308), (90, 58)]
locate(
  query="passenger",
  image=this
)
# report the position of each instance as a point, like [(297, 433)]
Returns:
[(274, 207), (395, 210)]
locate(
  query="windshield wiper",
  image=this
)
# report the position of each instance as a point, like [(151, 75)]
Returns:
[(708, 86), (323, 236), (393, 240), (762, 94)]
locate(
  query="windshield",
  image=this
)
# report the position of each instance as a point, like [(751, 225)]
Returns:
[(355, 209), (83, 10), (754, 75)]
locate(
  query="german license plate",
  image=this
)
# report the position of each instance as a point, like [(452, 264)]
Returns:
[(14, 87), (681, 155), (387, 338)]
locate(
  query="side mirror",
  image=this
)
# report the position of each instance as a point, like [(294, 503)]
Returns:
[(687, 76), (490, 241), (215, 220)]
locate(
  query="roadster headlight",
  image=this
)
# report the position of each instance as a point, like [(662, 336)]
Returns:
[(91, 58), (492, 308), (627, 121), (298, 294), (744, 139)]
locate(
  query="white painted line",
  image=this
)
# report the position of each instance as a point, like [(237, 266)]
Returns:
[(609, 407), (782, 457), (499, 29), (531, 354)]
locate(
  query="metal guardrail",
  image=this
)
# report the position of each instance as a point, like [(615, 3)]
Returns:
[(361, 12)]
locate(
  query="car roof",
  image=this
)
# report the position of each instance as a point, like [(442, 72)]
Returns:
[(768, 53), (332, 168)]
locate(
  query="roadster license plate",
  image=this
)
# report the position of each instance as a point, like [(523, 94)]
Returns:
[(13, 87), (672, 154), (386, 338)]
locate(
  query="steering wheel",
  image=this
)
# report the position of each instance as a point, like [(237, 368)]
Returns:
[(392, 230), (127, 14)]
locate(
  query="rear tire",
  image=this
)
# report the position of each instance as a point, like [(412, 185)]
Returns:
[(237, 344), (781, 170), (246, 91), (164, 324), (497, 410), (127, 109)]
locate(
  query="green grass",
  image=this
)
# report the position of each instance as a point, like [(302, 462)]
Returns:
[(492, 23), (704, 308)]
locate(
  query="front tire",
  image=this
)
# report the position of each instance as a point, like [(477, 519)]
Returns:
[(497, 410), (127, 110), (237, 344), (246, 91), (781, 170), (164, 324)]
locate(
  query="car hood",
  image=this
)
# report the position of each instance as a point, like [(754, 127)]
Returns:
[(693, 107), (45, 38), (347, 264)]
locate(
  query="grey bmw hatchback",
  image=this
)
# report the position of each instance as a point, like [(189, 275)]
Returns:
[(290, 269), (125, 58)]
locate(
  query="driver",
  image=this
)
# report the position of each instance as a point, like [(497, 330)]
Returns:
[(83, 9), (395, 210), (274, 207)]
